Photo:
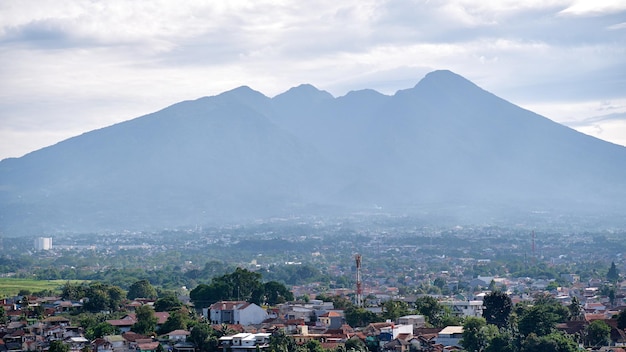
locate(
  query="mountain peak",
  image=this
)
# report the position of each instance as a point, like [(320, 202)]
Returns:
[(445, 78), (304, 92)]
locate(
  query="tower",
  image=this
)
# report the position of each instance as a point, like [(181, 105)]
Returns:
[(359, 287), (533, 248)]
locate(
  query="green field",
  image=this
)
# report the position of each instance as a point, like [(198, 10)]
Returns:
[(10, 286)]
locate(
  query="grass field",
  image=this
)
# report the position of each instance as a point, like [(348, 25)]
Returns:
[(11, 286)]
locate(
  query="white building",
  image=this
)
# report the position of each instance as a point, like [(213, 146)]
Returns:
[(417, 321), (465, 308), (235, 312), (43, 243), (245, 342), (450, 336)]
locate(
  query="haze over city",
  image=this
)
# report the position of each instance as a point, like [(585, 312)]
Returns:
[(69, 67)]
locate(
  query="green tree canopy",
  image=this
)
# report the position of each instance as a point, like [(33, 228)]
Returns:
[(274, 292), (178, 319), (100, 330), (355, 345), (498, 307), (241, 285), (621, 319), (141, 289), (199, 336), (359, 317), (146, 321), (3, 316), (613, 274), (598, 333), (280, 342), (168, 303), (553, 342), (394, 309), (477, 334), (435, 313), (58, 346)]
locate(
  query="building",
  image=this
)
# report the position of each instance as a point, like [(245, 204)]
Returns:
[(245, 342), (43, 243), (235, 312), (418, 321), (331, 320), (465, 308), (450, 336)]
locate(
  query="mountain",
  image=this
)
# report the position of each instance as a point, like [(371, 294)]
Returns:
[(443, 144)]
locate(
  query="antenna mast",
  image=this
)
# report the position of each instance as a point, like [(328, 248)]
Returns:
[(533, 247), (359, 287)]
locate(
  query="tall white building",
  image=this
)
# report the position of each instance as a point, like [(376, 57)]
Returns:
[(43, 243)]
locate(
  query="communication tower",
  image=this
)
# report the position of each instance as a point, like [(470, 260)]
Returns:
[(359, 287)]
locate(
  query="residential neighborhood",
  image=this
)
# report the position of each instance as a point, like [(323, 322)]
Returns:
[(420, 290)]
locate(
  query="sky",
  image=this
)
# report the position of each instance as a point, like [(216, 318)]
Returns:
[(69, 67)]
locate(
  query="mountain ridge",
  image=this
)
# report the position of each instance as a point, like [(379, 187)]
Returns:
[(242, 155)]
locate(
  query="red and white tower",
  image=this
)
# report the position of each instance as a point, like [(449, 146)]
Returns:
[(359, 285)]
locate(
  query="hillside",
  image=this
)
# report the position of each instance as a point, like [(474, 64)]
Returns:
[(443, 144)]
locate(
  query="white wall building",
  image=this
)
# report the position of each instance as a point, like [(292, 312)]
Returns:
[(235, 312), (43, 243), (450, 336), (465, 308)]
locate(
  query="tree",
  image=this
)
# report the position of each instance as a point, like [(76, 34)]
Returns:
[(73, 291), (314, 346), (280, 342), (167, 303), (240, 285), (355, 345), (621, 319), (553, 342), (502, 342), (498, 307), (358, 317), (541, 318), (178, 319), (537, 320), (575, 309), (613, 274), (477, 334), (394, 309), (100, 330), (58, 346), (436, 314), (3, 315), (199, 336), (339, 302), (274, 292), (598, 333), (97, 299), (146, 321), (141, 289)]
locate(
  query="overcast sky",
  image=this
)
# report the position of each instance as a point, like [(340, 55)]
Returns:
[(68, 67)]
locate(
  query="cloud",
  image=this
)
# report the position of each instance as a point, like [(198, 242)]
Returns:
[(70, 63), (594, 8)]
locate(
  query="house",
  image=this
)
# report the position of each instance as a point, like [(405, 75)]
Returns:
[(402, 343), (127, 322), (178, 335), (148, 346), (76, 343), (418, 321), (465, 308), (331, 320), (450, 335), (114, 343), (391, 332), (245, 342), (235, 312)]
